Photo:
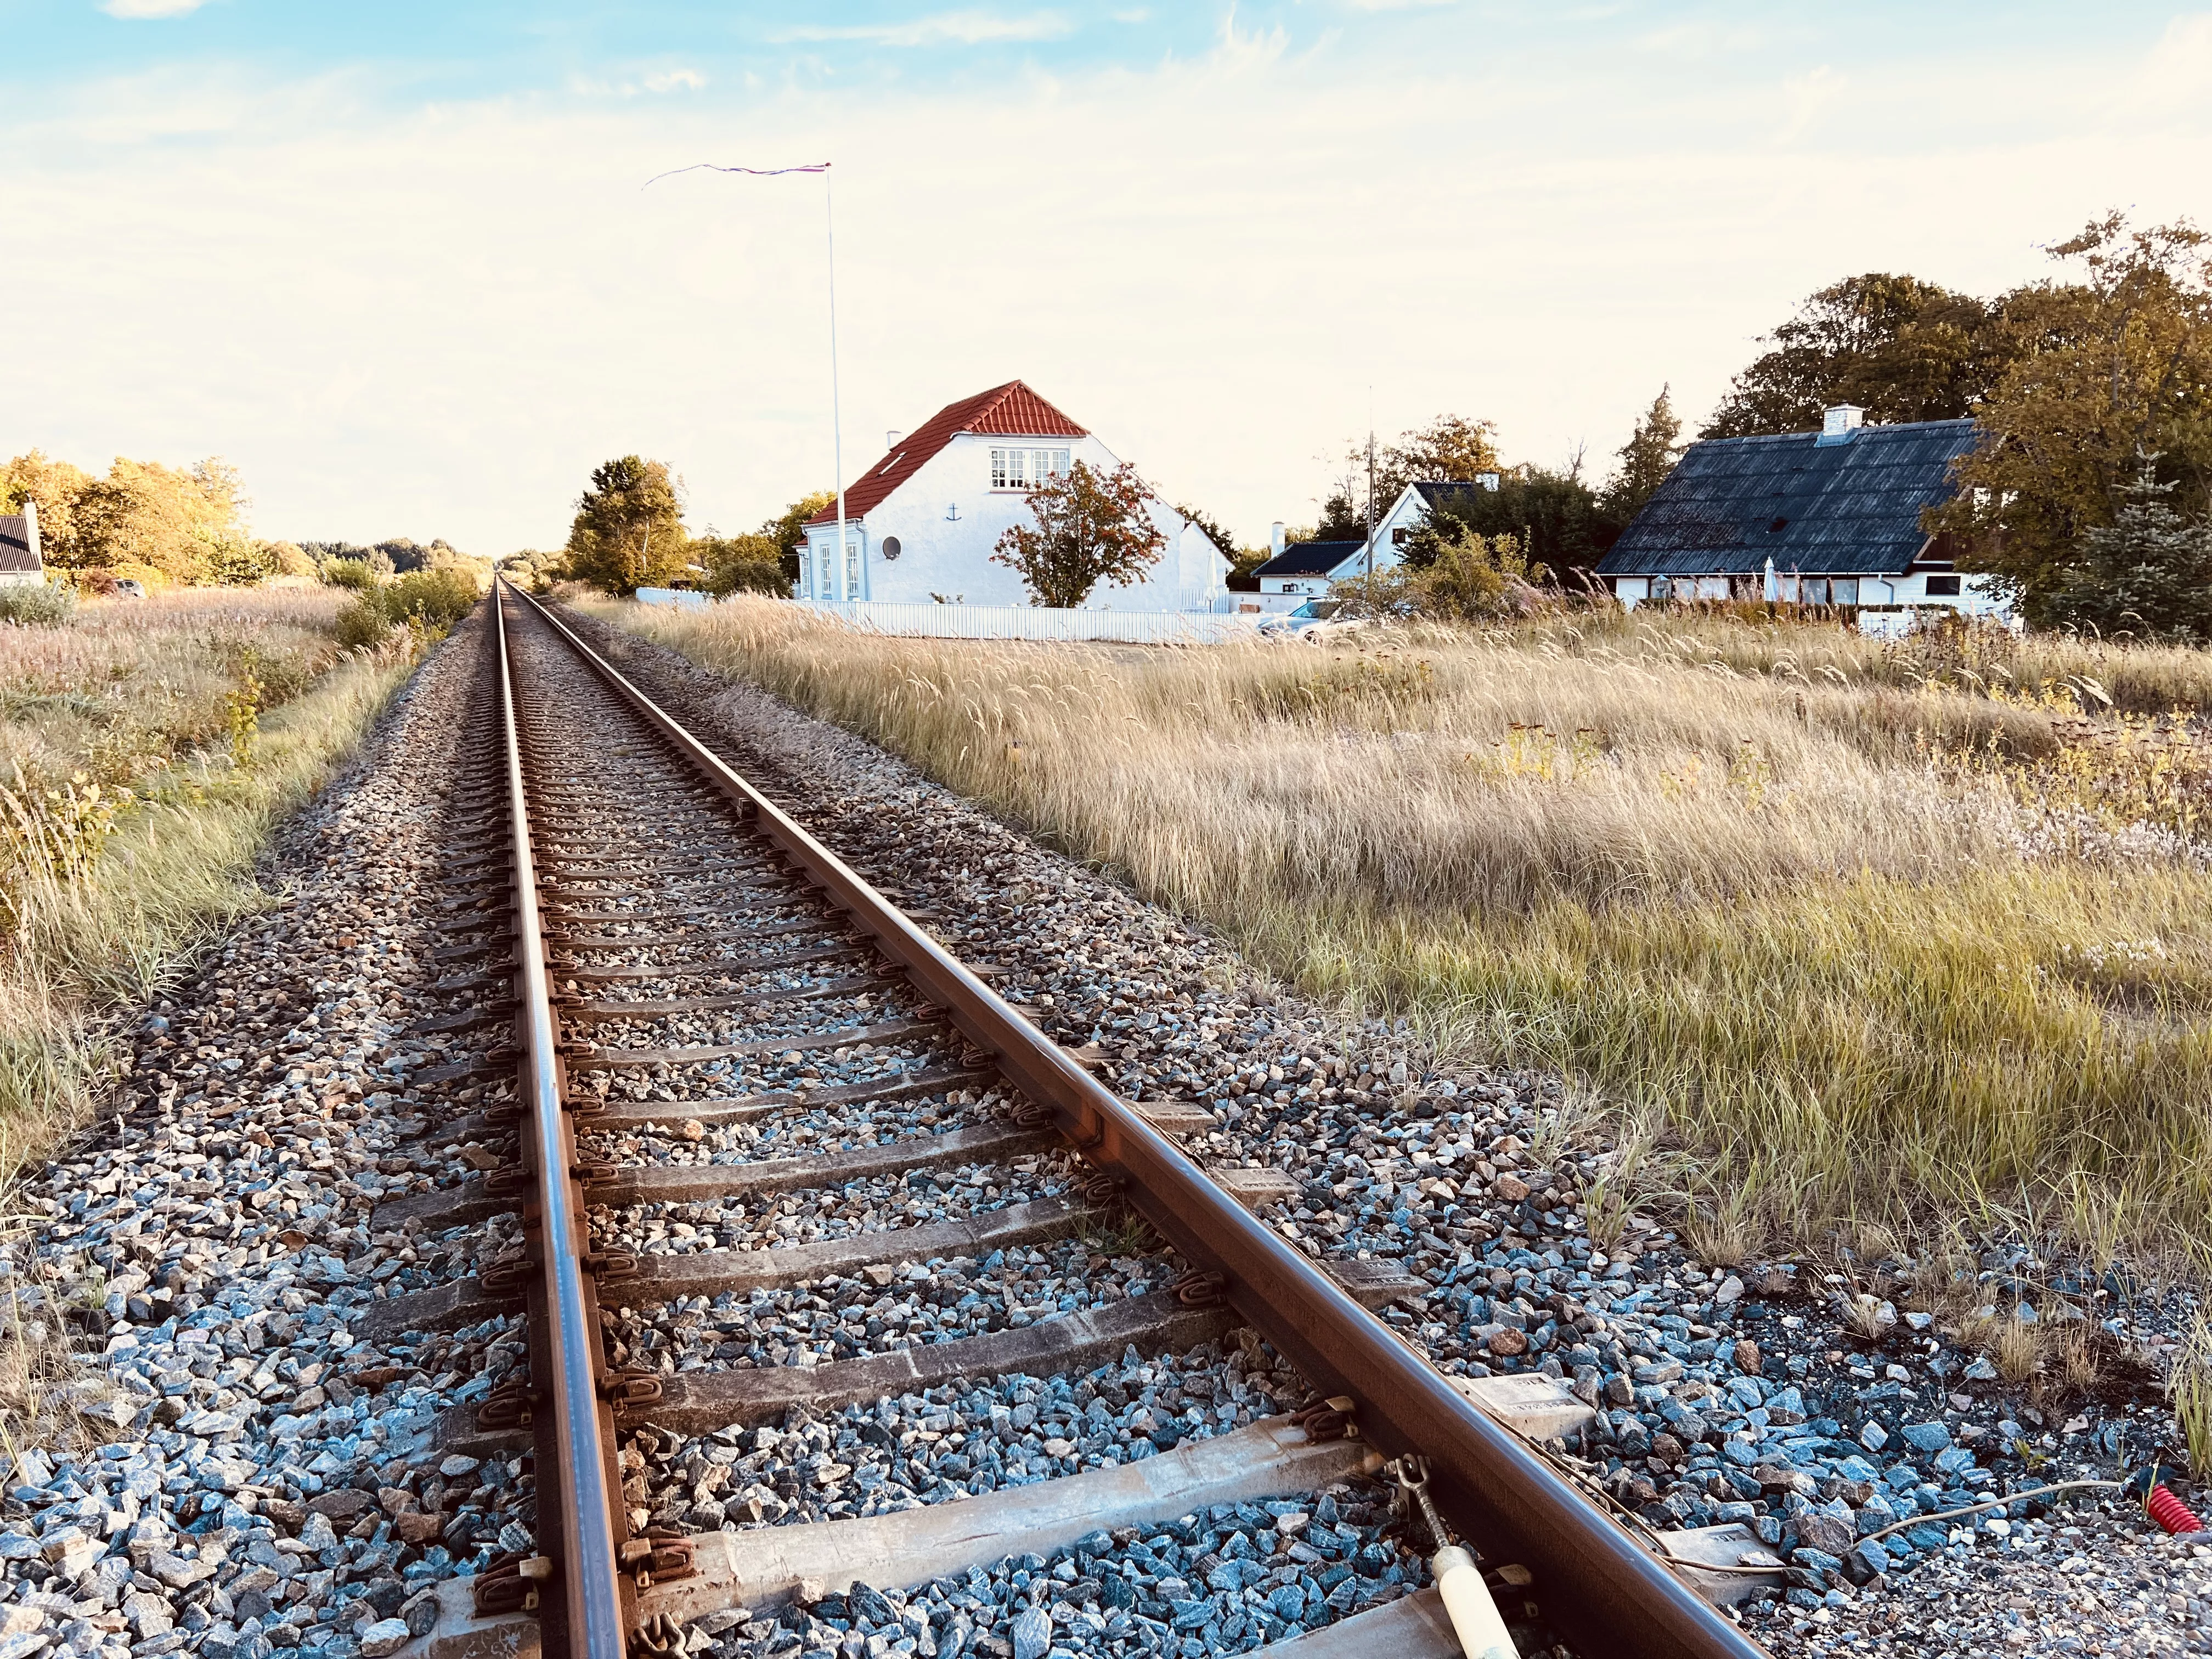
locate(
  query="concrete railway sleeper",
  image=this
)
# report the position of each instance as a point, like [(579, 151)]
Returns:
[(778, 1176)]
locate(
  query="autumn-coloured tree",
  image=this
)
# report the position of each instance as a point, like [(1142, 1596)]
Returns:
[(2106, 370), (1091, 525), (55, 486), (152, 522), (629, 530), (1449, 448)]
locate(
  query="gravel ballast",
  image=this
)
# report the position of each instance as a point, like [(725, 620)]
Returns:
[(269, 1484), (1815, 1406)]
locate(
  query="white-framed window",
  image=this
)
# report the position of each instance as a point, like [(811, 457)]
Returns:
[(1026, 469), (853, 570)]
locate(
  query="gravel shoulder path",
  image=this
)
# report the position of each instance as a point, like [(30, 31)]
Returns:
[(247, 1476)]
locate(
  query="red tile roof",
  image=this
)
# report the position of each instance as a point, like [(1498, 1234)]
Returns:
[(1011, 408)]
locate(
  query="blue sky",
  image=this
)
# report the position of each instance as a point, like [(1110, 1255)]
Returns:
[(395, 262)]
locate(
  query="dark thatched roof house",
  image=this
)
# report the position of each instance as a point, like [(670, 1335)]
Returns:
[(19, 547), (1811, 518)]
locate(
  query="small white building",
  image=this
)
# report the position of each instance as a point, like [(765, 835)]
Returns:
[(922, 524), (1834, 514), (1300, 571), (21, 564)]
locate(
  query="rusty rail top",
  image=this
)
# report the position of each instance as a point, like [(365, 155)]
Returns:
[(582, 1517), (1599, 1585)]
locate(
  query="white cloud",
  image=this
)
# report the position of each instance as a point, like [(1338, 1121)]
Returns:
[(150, 8), (2179, 69), (1807, 98), (690, 80), (963, 28), (1208, 261)]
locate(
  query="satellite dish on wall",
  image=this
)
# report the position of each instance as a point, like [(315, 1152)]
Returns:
[(890, 545)]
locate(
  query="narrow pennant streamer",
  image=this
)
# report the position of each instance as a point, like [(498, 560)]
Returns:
[(758, 173)]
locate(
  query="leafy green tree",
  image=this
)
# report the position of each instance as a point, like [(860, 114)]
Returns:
[(427, 603), (1090, 526), (628, 529), (1901, 348), (2148, 572), (239, 561), (434, 600), (1646, 458), (1216, 531), (533, 571), (289, 559), (1553, 517), (741, 564), (787, 529), (1476, 578), (353, 574)]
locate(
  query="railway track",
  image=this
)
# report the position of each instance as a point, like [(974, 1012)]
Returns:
[(757, 1161)]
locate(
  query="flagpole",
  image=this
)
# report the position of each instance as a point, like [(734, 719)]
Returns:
[(836, 416), (829, 227)]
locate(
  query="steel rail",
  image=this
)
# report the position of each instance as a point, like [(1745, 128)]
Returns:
[(585, 1563), (1599, 1585)]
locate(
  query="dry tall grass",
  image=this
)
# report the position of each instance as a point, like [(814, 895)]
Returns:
[(1812, 918), (150, 748), (1748, 640), (128, 685)]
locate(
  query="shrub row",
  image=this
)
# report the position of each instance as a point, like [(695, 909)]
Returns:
[(425, 602)]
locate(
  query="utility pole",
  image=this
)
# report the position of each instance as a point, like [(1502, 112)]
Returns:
[(1370, 511)]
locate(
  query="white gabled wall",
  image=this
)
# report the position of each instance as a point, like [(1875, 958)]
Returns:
[(1408, 513), (947, 520), (1976, 595)]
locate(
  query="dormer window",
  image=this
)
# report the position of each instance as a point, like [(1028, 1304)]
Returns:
[(1026, 469)]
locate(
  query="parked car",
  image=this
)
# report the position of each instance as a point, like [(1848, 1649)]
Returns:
[(126, 588), (1313, 614)]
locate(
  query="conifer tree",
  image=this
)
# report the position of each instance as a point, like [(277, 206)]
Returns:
[(1646, 458), (2149, 572)]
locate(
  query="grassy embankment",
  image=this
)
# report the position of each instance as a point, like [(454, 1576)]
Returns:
[(146, 750), (1890, 940)]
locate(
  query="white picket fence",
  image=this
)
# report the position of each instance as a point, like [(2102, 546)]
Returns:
[(1020, 622)]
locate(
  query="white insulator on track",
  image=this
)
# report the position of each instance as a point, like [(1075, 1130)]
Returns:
[(1475, 1619)]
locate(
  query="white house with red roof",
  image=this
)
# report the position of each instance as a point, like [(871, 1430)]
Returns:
[(922, 524)]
